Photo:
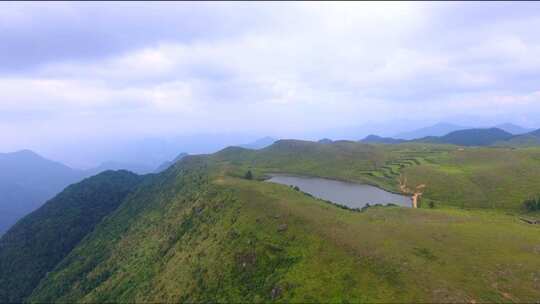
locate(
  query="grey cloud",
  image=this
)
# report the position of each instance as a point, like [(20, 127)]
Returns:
[(51, 32), (130, 69)]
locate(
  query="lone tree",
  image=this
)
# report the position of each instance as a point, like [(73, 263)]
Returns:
[(249, 175)]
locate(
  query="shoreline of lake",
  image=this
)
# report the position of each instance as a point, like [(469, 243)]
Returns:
[(267, 175), (345, 193)]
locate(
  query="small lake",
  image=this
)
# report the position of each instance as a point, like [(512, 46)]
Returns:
[(352, 195)]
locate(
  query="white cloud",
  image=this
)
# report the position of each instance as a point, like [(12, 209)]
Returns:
[(294, 67)]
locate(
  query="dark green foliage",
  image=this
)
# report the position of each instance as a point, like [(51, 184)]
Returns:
[(424, 253), (431, 204), (258, 270), (33, 247), (219, 257), (532, 204), (139, 211), (248, 175)]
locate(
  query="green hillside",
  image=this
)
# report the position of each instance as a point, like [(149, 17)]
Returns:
[(201, 232), (469, 177), (531, 139), (197, 233), (34, 246)]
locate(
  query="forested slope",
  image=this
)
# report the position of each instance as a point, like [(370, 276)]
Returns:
[(33, 247)]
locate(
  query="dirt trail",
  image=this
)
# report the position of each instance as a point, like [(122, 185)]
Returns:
[(416, 194), (415, 198)]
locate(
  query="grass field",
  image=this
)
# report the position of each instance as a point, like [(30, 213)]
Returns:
[(198, 233), (464, 177)]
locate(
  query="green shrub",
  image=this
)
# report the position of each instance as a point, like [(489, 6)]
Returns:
[(532, 204)]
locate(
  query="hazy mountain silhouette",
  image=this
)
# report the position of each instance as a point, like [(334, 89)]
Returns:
[(375, 139), (325, 141), (471, 137), (113, 165), (439, 129), (27, 180), (167, 164), (513, 128), (260, 143)]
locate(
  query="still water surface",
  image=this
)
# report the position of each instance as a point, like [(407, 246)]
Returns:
[(344, 193)]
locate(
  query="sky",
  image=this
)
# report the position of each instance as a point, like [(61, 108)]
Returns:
[(78, 73)]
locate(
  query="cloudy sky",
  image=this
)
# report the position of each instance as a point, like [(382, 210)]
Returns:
[(109, 70)]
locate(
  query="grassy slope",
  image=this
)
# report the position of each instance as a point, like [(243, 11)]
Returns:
[(480, 177), (340, 160), (464, 177), (190, 236), (34, 245)]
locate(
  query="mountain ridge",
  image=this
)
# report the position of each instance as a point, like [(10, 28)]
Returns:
[(375, 139), (471, 137), (438, 129), (36, 243), (28, 180), (260, 143), (468, 137), (167, 164), (513, 128)]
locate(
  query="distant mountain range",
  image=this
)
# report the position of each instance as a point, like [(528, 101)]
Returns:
[(150, 152), (325, 141), (260, 143), (27, 180), (439, 129), (470, 137), (375, 139), (113, 165), (167, 164), (513, 129), (443, 128)]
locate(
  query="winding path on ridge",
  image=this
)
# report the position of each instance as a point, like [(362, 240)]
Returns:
[(415, 194)]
